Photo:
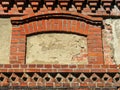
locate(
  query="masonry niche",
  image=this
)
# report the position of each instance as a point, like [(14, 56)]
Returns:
[(56, 48), (56, 38)]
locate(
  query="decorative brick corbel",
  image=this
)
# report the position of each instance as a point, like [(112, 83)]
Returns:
[(78, 4), (107, 5), (20, 4), (93, 4), (50, 3), (64, 3), (35, 4), (6, 5)]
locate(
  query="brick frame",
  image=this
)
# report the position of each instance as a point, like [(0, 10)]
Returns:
[(56, 22)]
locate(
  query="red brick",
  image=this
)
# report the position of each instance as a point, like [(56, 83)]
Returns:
[(40, 66), (72, 66), (49, 84), (56, 66), (32, 65), (23, 66), (48, 66), (7, 66), (64, 66), (15, 66)]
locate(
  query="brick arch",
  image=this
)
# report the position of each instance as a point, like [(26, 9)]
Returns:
[(63, 25), (56, 22)]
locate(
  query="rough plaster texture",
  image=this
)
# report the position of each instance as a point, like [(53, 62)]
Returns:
[(114, 43), (56, 48), (5, 35)]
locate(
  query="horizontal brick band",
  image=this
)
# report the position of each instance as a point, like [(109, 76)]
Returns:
[(59, 68), (55, 14), (88, 7), (60, 79)]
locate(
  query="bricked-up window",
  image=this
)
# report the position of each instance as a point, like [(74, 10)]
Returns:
[(56, 48), (84, 25)]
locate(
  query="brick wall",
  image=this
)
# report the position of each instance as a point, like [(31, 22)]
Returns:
[(83, 17)]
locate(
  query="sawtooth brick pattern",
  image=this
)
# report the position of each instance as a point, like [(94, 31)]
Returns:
[(89, 7), (60, 75)]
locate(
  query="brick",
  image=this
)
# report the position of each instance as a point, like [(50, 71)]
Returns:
[(40, 66), (72, 66), (15, 84), (32, 84), (56, 66), (81, 66), (47, 66), (88, 66), (32, 66), (15, 66), (23, 66), (7, 66), (23, 84), (65, 70), (64, 66), (112, 70), (113, 66), (48, 70), (96, 66), (3, 70), (98, 70), (49, 84), (30, 70)]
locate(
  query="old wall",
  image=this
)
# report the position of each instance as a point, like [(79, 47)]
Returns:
[(111, 39), (5, 37), (84, 17)]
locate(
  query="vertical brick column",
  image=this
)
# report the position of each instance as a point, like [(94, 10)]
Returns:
[(95, 53), (17, 48), (18, 40)]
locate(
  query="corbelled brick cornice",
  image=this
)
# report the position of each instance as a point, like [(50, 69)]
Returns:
[(88, 7)]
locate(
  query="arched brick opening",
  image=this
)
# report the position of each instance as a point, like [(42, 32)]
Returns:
[(27, 13), (56, 22)]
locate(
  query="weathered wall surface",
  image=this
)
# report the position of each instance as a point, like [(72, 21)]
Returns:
[(111, 39), (56, 48), (111, 43), (5, 35)]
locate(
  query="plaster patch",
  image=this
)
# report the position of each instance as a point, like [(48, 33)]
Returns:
[(5, 37), (56, 48), (113, 29)]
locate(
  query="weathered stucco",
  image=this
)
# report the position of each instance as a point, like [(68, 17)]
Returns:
[(5, 35), (56, 48), (113, 27)]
